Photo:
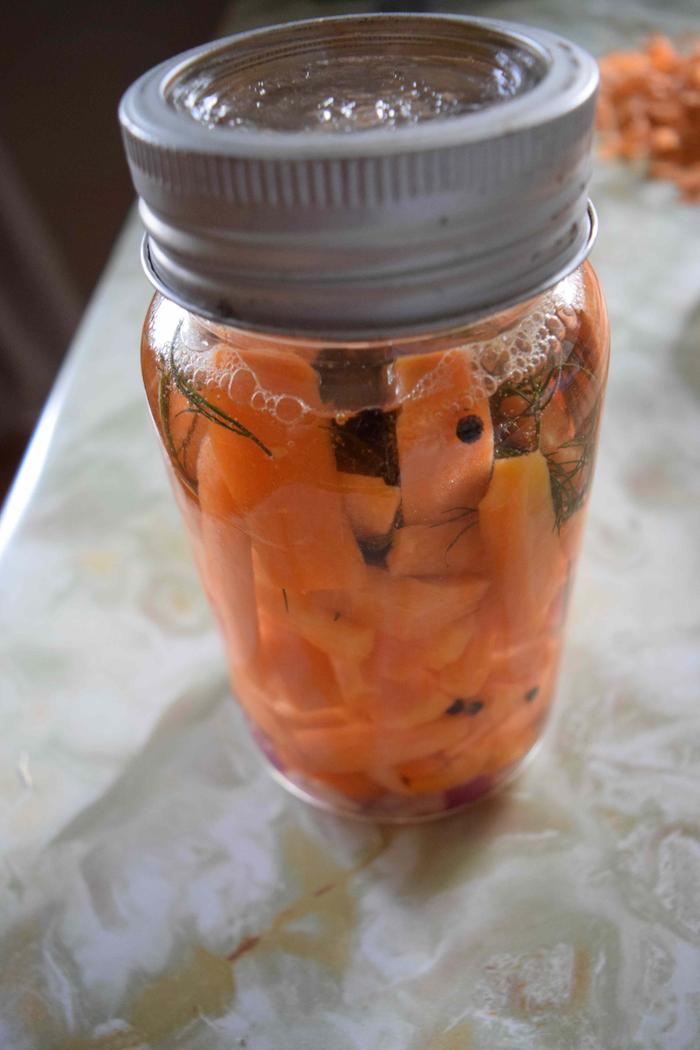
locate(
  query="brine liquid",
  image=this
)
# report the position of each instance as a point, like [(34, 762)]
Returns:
[(387, 535)]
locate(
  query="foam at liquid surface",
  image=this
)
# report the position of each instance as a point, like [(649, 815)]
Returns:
[(507, 357)]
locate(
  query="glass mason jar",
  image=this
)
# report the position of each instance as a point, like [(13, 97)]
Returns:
[(376, 362)]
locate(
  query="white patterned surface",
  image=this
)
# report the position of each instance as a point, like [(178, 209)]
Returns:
[(158, 890)]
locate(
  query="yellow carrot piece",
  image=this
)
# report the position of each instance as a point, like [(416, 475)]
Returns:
[(227, 566), (517, 525)]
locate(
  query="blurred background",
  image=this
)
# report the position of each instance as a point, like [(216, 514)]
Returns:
[(64, 185)]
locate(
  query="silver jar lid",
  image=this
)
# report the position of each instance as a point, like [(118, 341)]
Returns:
[(364, 176)]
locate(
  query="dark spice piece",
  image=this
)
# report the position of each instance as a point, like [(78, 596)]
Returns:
[(375, 549), (531, 694), (366, 444), (467, 707), (470, 429)]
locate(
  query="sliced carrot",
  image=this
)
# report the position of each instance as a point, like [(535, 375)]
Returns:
[(556, 425), (257, 705), (393, 659), (509, 747), (444, 648), (304, 540), (520, 709), (504, 730), (298, 717), (466, 675), (409, 608), (516, 520), (288, 489), (296, 670), (406, 608), (192, 515), (356, 786), (463, 759), (442, 473), (351, 679), (523, 662), (274, 395), (447, 772), (339, 749), (401, 704), (227, 565), (403, 661), (440, 549), (370, 504), (418, 741), (332, 633), (365, 747)]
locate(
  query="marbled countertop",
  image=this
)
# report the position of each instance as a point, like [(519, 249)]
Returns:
[(158, 890)]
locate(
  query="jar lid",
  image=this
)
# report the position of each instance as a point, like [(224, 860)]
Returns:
[(364, 176)]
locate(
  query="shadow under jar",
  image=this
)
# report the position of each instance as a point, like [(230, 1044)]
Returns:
[(376, 361)]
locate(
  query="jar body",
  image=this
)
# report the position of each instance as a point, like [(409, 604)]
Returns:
[(387, 534)]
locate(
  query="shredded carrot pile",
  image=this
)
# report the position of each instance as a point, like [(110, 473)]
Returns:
[(649, 110)]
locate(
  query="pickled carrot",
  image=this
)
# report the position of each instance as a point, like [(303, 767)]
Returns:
[(648, 111), (296, 671), (360, 747), (333, 634), (467, 674), (393, 704), (370, 504), (410, 609), (517, 524), (303, 538), (293, 510), (408, 661), (442, 548), (441, 772), (226, 557), (441, 473), (352, 785)]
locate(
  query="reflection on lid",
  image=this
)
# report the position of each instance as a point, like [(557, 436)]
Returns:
[(348, 85)]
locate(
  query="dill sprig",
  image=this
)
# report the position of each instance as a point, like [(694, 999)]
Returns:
[(205, 408), (570, 478), (535, 392), (176, 454), (457, 538), (457, 514)]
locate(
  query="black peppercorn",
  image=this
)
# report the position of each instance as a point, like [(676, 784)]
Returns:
[(467, 707), (470, 429)]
